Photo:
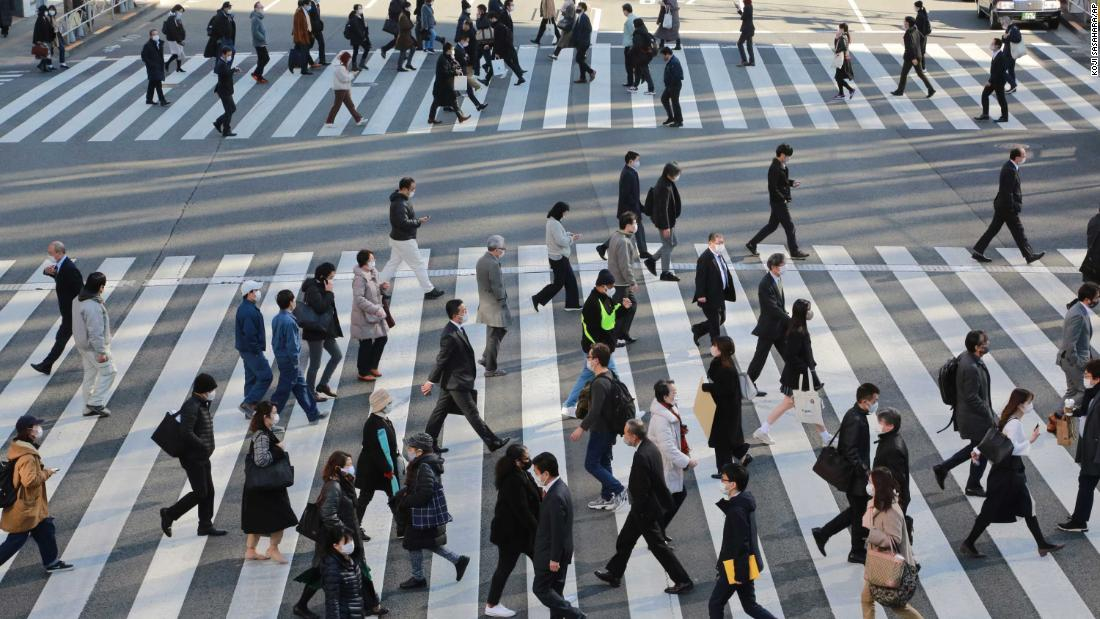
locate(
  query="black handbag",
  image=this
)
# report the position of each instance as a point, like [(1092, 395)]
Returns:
[(310, 320), (279, 474), (389, 26), (833, 467), (167, 435), (309, 525), (995, 446)]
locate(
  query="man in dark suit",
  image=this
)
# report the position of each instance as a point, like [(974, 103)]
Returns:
[(748, 29), (854, 443), (973, 415), (553, 539), (713, 287), (630, 201), (463, 58), (152, 55), (504, 48), (673, 79), (998, 75), (1007, 205), (650, 500), (67, 284), (893, 454), (779, 197), (740, 547), (224, 69), (912, 59), (455, 371), (1088, 452), (1090, 266), (582, 40), (771, 325)]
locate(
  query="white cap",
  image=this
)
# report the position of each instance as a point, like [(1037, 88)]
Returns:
[(250, 286)]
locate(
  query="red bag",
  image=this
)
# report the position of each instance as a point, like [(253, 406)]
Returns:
[(40, 50)]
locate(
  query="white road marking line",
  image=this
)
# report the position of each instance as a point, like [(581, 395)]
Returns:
[(515, 100), (557, 92), (805, 87), (725, 97), (1039, 109), (946, 104), (902, 105)]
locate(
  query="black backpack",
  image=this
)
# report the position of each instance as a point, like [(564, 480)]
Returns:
[(7, 483), (949, 372), (620, 408), (347, 30)]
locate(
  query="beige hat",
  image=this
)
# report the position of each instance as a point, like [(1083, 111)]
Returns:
[(379, 399)]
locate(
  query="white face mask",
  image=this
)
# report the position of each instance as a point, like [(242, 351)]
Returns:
[(347, 548), (636, 164), (870, 489), (371, 263), (1088, 382), (873, 408), (213, 394), (384, 411), (727, 489), (809, 315), (1029, 408), (257, 297), (410, 455), (349, 470), (38, 433), (275, 419), (411, 194), (156, 37)]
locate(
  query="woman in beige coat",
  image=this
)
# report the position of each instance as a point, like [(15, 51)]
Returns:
[(368, 316), (29, 515), (885, 525), (548, 13)]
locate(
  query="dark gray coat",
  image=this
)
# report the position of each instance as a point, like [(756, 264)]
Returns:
[(554, 536), (974, 408), (1088, 445)]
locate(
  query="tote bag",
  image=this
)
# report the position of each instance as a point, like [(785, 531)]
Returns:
[(838, 60), (807, 404), (667, 21), (499, 68), (461, 83)]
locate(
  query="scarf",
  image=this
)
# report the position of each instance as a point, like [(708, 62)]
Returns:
[(683, 429)]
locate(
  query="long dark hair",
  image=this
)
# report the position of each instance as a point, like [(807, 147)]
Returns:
[(797, 323), (507, 463), (558, 210), (335, 462), (1018, 397), (724, 344), (886, 488), (264, 409)]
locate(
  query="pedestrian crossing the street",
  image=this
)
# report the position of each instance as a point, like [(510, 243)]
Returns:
[(913, 306), (791, 86)]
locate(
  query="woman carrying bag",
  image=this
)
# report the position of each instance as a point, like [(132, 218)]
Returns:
[(842, 62), (265, 512), (317, 294), (668, 23), (886, 538), (726, 436), (1007, 496), (336, 505)]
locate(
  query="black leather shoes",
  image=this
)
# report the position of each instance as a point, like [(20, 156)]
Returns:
[(211, 531), (42, 368), (609, 578), (165, 522), (680, 587), (819, 539)]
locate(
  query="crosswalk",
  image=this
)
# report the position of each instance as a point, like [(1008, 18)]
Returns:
[(791, 86), (892, 316)]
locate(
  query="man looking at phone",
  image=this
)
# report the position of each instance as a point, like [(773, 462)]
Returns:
[(403, 246)]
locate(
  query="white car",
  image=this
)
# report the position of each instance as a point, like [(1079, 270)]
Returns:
[(1026, 11)]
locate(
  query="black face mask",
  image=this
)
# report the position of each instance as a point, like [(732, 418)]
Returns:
[(525, 464)]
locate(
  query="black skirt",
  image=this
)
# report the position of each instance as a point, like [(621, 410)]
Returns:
[(1007, 496), (264, 512)]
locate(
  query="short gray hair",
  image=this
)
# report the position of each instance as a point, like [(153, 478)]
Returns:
[(636, 427), (57, 246), (495, 242)]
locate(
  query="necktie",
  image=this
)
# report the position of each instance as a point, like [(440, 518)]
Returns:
[(722, 269)]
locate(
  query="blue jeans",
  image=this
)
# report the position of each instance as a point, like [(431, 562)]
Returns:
[(416, 559), (44, 535), (586, 375), (597, 461), (257, 376), (430, 43), (291, 380)]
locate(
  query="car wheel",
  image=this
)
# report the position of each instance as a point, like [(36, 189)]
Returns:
[(1053, 24), (993, 19)]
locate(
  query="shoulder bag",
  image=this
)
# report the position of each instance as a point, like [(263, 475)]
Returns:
[(807, 403), (309, 525), (889, 576), (167, 435), (309, 319), (275, 476), (995, 446), (833, 467)]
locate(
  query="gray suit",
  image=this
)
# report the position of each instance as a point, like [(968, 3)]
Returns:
[(1074, 351), (492, 308), (973, 415)]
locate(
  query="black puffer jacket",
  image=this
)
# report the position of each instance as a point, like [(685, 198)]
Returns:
[(338, 512), (420, 480), (341, 580), (197, 428)]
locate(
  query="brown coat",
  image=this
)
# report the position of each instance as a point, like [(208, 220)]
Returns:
[(30, 507), (547, 9), (888, 530), (300, 32), (405, 38)]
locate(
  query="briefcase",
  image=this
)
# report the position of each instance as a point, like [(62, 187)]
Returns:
[(167, 435), (704, 408)]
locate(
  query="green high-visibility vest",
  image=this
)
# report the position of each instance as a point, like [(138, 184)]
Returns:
[(607, 321)]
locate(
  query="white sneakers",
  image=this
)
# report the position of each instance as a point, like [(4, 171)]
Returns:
[(500, 610), (569, 411), (826, 437), (763, 436)]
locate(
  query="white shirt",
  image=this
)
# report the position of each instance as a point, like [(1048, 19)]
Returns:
[(546, 489), (721, 267), (1021, 442)]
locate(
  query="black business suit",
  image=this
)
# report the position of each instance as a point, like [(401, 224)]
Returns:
[(67, 284), (554, 542), (454, 372), (748, 29), (771, 326), (779, 197), (998, 76), (224, 90), (1006, 212), (713, 282), (1090, 266), (650, 501), (630, 201)]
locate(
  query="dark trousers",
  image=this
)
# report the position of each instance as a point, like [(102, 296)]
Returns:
[(906, 67), (64, 332), (670, 99), (179, 62), (724, 456), (851, 519), (456, 402), (639, 240), (364, 499), (154, 85), (1086, 488), (564, 277), (714, 318), (1009, 61), (370, 353), (548, 587), (320, 38), (228, 107), (355, 55), (677, 501), (493, 337), (629, 64), (746, 592), (746, 39), (641, 74), (257, 376), (342, 98), (624, 318), (780, 216), (1015, 227), (647, 527), (760, 357), (262, 58), (542, 29), (962, 455), (44, 534), (388, 46), (506, 562), (582, 63), (923, 47), (1001, 100), (202, 492)]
